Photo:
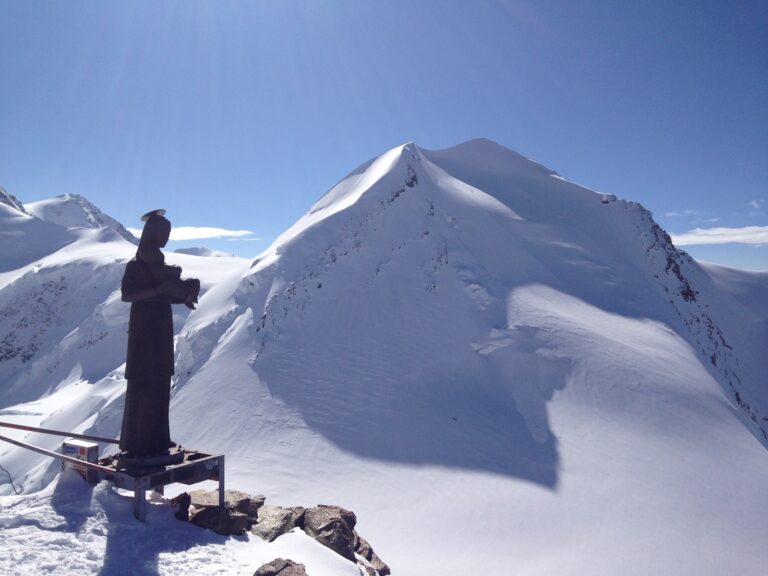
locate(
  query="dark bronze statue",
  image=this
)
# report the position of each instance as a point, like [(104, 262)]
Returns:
[(151, 287)]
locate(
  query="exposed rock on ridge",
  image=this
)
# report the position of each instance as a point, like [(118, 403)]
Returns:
[(332, 526), (10, 200), (672, 270)]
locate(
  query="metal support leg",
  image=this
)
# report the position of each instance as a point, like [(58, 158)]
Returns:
[(140, 500), (221, 481)]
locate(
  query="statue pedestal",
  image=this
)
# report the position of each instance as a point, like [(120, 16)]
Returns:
[(145, 474)]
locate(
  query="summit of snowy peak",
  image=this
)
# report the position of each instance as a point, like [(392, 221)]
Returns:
[(408, 184), (373, 184), (75, 211), (532, 190), (475, 162), (399, 161), (484, 155)]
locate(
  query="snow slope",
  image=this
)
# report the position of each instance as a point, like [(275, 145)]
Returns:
[(498, 370)]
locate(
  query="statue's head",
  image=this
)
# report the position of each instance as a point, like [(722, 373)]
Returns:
[(157, 229)]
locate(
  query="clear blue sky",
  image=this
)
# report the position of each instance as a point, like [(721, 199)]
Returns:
[(240, 115)]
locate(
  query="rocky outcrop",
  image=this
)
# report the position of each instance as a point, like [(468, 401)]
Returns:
[(275, 520), (332, 526), (239, 513), (281, 567), (181, 506), (222, 520), (10, 200), (233, 500)]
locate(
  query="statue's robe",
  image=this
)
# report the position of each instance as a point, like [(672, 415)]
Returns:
[(149, 366)]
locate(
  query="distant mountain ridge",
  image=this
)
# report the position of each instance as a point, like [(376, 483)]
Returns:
[(72, 210), (202, 251)]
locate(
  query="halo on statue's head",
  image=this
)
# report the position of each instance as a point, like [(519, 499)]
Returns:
[(148, 215)]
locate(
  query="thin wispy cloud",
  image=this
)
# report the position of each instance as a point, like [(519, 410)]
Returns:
[(755, 204), (754, 235), (249, 239), (200, 233), (671, 214)]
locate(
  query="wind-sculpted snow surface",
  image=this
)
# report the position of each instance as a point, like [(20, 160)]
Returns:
[(499, 370)]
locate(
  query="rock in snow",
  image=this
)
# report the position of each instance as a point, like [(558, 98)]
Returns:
[(222, 520), (281, 567), (239, 513), (233, 499), (334, 527), (275, 521)]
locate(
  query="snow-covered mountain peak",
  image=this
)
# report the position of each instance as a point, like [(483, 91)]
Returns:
[(476, 225), (478, 171), (409, 185), (75, 211)]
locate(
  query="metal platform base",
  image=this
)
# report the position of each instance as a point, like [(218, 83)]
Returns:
[(193, 468), (138, 475)]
